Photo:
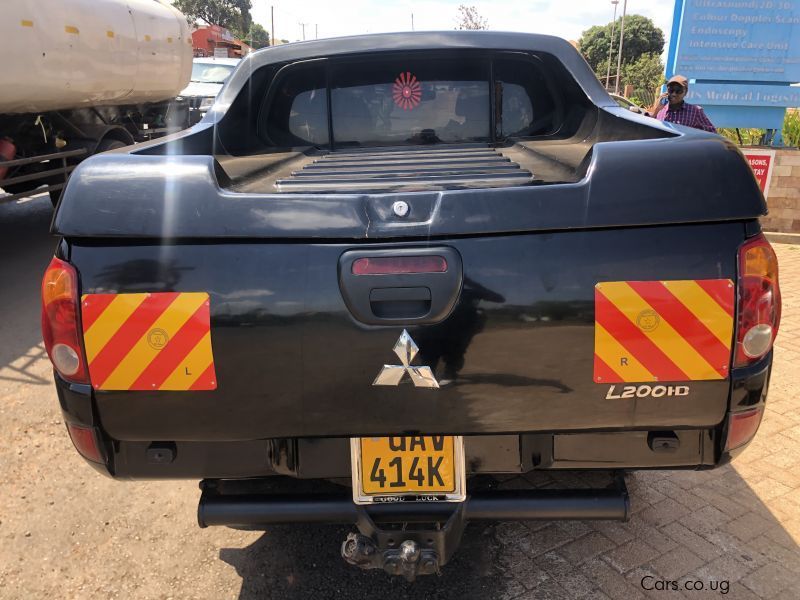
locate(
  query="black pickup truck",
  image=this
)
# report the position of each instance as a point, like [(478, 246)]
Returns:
[(385, 269)]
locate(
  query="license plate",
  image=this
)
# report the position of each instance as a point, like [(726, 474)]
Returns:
[(427, 468)]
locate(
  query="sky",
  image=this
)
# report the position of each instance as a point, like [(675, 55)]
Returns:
[(563, 18)]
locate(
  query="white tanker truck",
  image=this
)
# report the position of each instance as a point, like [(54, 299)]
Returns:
[(84, 76)]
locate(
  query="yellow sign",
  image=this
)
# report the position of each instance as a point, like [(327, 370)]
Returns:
[(417, 464), (156, 341), (663, 330)]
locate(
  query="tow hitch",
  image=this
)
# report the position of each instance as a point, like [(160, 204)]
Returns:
[(403, 538), (407, 549), (408, 560)]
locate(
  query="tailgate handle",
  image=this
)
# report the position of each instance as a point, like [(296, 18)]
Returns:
[(412, 298), (400, 302), (401, 294)]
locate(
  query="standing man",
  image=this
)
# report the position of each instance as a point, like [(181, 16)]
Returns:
[(677, 110)]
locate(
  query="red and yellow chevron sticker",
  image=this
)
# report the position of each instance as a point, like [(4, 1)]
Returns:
[(663, 330), (151, 341)]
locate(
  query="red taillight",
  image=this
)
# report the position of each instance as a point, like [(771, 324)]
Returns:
[(759, 301), (399, 265), (60, 325), (85, 442), (742, 427)]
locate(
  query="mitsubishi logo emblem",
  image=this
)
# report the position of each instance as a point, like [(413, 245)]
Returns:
[(406, 350)]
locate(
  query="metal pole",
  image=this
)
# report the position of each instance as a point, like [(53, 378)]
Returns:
[(621, 40), (611, 45), (272, 20), (303, 25), (316, 31), (412, 21)]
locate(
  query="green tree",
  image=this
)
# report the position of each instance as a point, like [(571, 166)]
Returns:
[(469, 18), (644, 75), (257, 37), (230, 14), (641, 37)]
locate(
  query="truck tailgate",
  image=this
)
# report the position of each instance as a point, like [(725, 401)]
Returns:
[(517, 353)]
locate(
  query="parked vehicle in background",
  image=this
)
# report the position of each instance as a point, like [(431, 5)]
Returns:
[(631, 106), (86, 77), (397, 266), (208, 76)]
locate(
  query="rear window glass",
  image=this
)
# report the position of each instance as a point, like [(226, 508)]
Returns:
[(527, 105), (402, 101), (298, 115), (410, 102)]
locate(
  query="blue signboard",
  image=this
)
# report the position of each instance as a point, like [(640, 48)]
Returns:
[(740, 57), (741, 40), (743, 95)]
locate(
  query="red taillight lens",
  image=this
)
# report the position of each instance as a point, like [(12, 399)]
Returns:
[(399, 265), (759, 301), (85, 442), (742, 427), (60, 325)]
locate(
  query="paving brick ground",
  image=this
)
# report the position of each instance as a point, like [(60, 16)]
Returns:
[(66, 532)]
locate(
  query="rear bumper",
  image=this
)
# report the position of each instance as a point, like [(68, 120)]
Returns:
[(402, 538), (256, 511)]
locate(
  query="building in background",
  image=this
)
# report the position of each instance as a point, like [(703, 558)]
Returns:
[(218, 41)]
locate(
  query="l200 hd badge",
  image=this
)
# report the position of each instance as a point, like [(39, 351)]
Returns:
[(646, 391), (406, 350)]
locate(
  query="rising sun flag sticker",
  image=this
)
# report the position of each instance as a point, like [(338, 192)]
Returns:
[(150, 341), (406, 91)]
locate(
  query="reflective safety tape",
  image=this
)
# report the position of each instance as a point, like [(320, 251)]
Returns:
[(155, 341), (663, 330)]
